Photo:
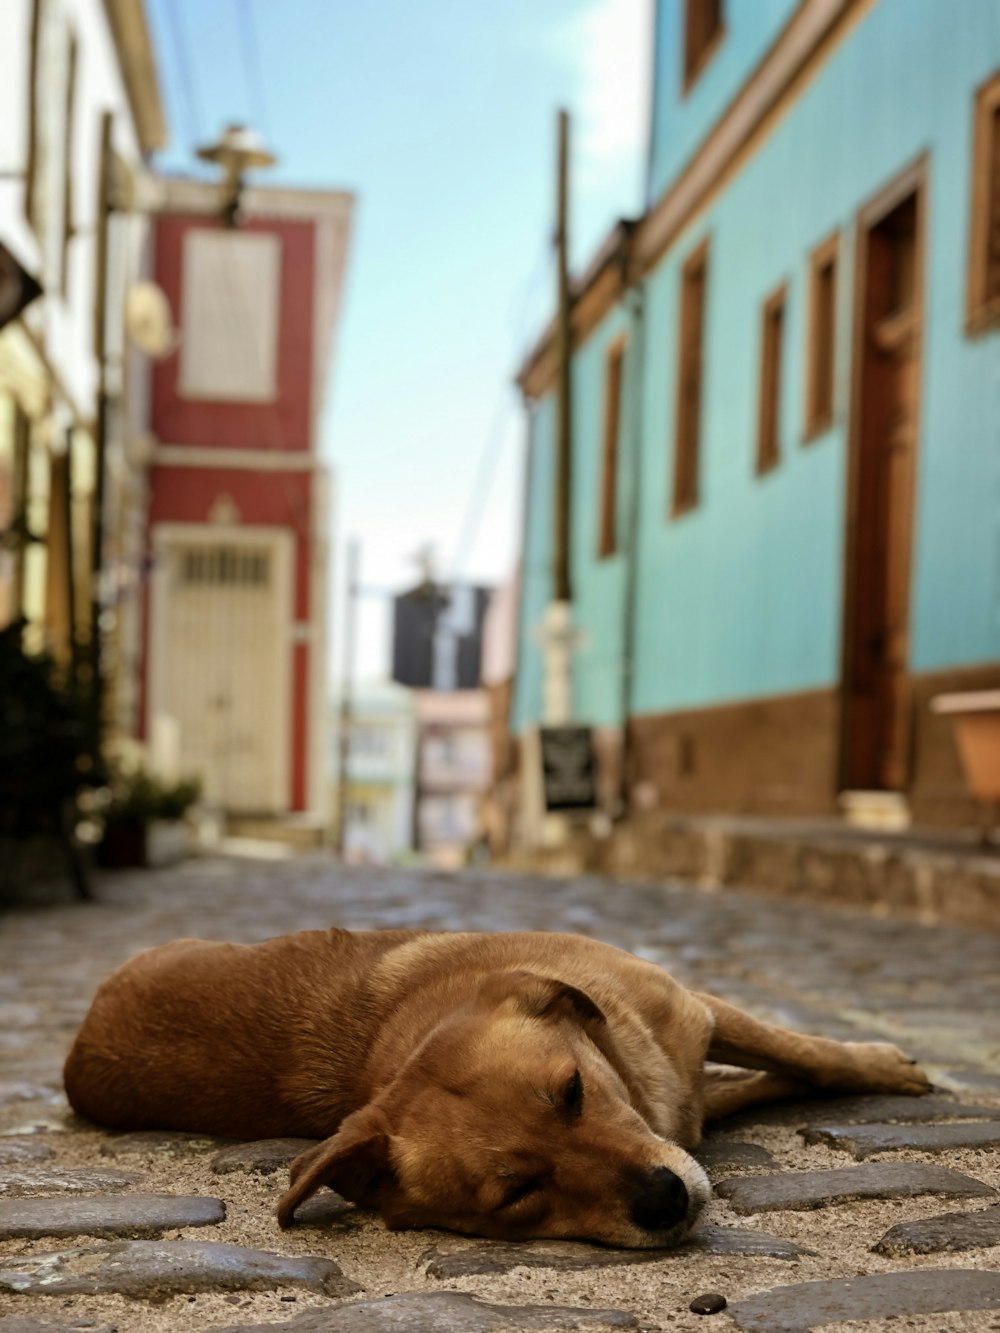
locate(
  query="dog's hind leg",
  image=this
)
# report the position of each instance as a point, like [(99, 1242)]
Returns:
[(818, 1062)]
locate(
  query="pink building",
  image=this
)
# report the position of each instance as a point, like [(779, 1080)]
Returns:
[(235, 616)]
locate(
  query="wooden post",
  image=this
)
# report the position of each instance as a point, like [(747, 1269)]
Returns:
[(562, 583), (101, 418), (347, 689)]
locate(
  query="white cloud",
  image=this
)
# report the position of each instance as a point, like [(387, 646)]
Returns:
[(609, 48)]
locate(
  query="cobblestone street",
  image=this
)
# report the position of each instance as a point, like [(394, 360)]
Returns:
[(881, 1209)]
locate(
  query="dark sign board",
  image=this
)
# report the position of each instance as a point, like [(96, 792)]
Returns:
[(568, 768)]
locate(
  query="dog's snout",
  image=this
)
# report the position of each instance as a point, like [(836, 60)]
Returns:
[(662, 1200)]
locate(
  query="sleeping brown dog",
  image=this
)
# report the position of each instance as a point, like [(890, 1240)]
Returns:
[(501, 1085)]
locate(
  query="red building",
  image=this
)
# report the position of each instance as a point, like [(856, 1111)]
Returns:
[(234, 675)]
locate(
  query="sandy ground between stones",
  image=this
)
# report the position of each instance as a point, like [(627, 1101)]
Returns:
[(657, 1293)]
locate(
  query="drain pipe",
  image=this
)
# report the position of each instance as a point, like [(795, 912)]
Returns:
[(635, 299)]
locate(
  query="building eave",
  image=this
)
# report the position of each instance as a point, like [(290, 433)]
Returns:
[(592, 296), (130, 32)]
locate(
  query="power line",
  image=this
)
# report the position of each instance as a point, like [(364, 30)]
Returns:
[(253, 69), (192, 105)]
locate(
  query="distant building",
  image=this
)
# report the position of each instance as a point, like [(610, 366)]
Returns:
[(452, 772), (378, 800), (786, 394), (238, 534)]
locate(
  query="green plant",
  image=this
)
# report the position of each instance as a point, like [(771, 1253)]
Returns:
[(48, 735), (138, 798)]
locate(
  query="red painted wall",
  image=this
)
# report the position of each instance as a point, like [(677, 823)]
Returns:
[(282, 424), (265, 498), (272, 499)]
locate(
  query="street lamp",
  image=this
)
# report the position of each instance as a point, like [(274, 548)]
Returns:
[(237, 152)]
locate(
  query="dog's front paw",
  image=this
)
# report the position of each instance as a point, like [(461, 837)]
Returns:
[(882, 1067)]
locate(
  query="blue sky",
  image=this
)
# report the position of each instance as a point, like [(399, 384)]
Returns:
[(440, 116)]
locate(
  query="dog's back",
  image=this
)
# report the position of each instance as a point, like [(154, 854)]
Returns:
[(229, 1038)]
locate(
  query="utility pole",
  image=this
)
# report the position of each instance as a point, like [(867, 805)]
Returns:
[(564, 457), (347, 688), (558, 636)]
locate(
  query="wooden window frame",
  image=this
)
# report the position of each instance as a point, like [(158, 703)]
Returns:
[(819, 414), (772, 348), (614, 365), (695, 62), (690, 362), (983, 306), (69, 113), (33, 129)]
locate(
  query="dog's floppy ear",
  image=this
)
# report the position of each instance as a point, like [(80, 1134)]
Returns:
[(354, 1162), (542, 997)]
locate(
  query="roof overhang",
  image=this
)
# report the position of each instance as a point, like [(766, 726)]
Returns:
[(130, 31)]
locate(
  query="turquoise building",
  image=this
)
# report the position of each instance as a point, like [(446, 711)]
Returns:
[(785, 387)]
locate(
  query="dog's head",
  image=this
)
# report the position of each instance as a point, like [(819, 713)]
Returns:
[(508, 1121)]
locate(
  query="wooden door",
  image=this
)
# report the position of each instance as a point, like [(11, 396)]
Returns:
[(877, 732), (223, 673)]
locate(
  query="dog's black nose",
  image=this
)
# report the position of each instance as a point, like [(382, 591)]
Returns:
[(662, 1201)]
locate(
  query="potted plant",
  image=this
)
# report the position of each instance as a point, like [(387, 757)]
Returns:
[(143, 818)]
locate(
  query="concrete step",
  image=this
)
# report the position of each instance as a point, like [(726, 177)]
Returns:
[(293, 830)]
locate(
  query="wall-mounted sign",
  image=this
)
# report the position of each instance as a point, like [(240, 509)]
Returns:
[(568, 770)]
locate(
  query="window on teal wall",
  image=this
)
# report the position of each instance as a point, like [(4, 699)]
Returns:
[(687, 438), (607, 542), (822, 336), (984, 248), (772, 339), (703, 30)]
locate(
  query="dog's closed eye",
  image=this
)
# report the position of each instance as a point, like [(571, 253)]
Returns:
[(572, 1096)]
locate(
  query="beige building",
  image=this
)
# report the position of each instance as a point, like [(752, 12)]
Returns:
[(79, 113)]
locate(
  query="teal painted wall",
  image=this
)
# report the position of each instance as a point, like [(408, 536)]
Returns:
[(536, 563), (742, 597), (598, 584), (679, 123)]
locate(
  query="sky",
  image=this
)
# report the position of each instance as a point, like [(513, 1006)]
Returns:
[(440, 116)]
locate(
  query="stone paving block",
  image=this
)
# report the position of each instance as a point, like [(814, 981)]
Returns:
[(108, 1215), (154, 1270), (816, 1189), (325, 1208), (868, 1139), (16, 1151), (866, 1110), (264, 1155), (806, 1305), (165, 1143), (17, 1324), (730, 1152), (68, 1180), (456, 1260), (974, 1080), (949, 1231), (443, 1311)]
